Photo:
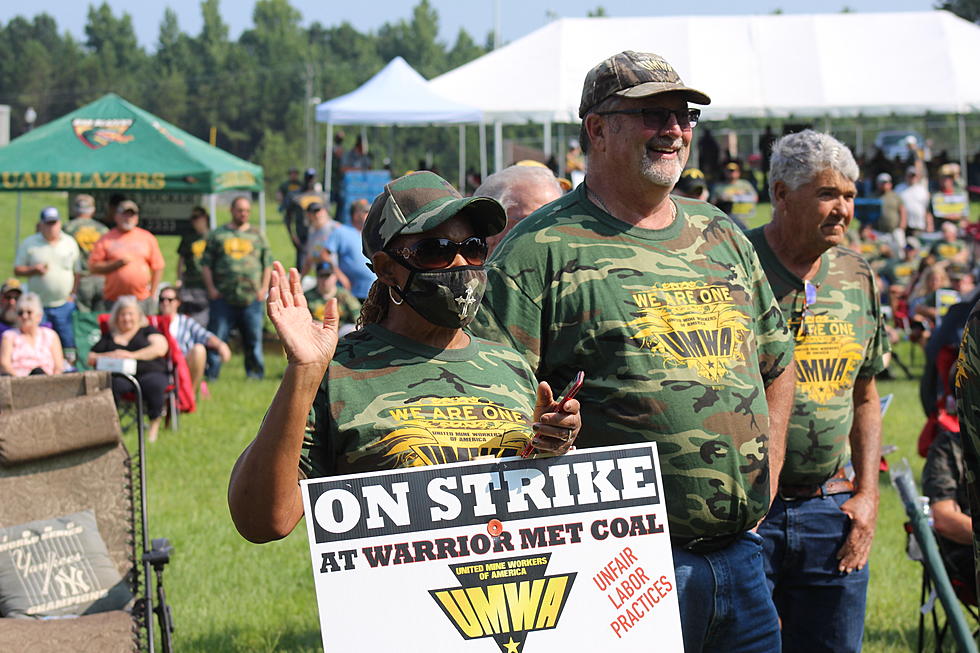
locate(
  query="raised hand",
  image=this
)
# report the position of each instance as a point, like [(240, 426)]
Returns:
[(304, 341)]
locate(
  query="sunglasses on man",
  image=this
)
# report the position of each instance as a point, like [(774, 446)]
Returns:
[(657, 117)]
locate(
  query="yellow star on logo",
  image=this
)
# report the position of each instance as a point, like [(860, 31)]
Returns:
[(511, 645)]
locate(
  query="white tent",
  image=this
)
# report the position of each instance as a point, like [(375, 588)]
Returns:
[(752, 66), (396, 95)]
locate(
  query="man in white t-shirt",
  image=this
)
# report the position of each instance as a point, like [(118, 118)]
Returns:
[(916, 199), (51, 261)]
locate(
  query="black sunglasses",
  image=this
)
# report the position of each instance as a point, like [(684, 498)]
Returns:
[(168, 299), (436, 253), (657, 117)]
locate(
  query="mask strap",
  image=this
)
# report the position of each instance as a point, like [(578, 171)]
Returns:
[(394, 301)]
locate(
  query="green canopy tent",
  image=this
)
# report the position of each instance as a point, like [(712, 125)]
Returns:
[(112, 145)]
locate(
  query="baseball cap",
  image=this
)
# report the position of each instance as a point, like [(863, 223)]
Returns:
[(324, 268), (309, 173), (83, 204), (127, 205), (49, 214), (882, 178), (10, 284), (634, 74), (692, 182), (314, 207), (732, 165), (421, 201)]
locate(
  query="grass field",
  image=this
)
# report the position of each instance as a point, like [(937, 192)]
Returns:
[(229, 595)]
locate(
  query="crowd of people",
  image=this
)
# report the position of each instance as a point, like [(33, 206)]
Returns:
[(751, 358), (749, 355)]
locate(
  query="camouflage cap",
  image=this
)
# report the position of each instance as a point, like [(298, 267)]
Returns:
[(634, 74), (421, 201)]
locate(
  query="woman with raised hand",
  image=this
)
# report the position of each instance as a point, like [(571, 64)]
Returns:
[(409, 387)]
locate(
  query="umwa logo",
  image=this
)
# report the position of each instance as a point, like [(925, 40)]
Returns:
[(99, 132), (505, 599)]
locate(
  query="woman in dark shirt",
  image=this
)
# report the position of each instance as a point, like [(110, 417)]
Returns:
[(131, 336)]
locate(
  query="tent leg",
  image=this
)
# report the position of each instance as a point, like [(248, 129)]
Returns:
[(961, 127), (547, 139), (328, 162), (562, 150), (483, 152), (462, 159), (262, 211), (859, 137), (20, 205), (498, 146), (213, 209)]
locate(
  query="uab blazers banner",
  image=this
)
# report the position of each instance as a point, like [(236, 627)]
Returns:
[(511, 555)]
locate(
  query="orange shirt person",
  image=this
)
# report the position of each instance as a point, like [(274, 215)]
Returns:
[(128, 256)]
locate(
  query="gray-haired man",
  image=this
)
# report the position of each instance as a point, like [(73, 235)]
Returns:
[(817, 535), (522, 190)]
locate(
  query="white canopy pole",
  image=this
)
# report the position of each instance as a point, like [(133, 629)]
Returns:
[(498, 146), (462, 159), (328, 162), (483, 151), (562, 150), (262, 211), (961, 125), (547, 138), (859, 137)]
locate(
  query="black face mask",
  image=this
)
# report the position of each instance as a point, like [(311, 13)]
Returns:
[(448, 297)]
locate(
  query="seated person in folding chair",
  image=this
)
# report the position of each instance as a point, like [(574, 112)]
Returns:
[(944, 482), (131, 336), (29, 348), (193, 339)]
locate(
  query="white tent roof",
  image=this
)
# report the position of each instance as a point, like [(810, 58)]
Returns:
[(775, 65), (396, 95)]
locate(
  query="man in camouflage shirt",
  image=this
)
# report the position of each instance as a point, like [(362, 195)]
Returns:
[(190, 281), (86, 231), (968, 407), (236, 268), (818, 532), (662, 303)]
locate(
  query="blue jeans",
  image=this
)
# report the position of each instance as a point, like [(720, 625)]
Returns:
[(60, 319), (248, 319), (821, 608), (725, 603)]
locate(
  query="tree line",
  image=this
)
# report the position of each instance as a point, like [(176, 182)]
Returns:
[(255, 91)]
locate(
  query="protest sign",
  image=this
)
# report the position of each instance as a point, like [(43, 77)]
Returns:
[(506, 555)]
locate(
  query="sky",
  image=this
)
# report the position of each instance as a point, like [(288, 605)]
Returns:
[(517, 17)]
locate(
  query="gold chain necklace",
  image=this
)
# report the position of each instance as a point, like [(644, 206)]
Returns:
[(598, 200)]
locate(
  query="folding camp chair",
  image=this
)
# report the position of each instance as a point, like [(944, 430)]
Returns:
[(61, 456), (936, 584)]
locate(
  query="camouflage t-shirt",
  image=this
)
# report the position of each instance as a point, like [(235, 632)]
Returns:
[(677, 332), (191, 251), (388, 402), (841, 337), (86, 233), (945, 251), (347, 305), (739, 194), (237, 260), (968, 406)]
